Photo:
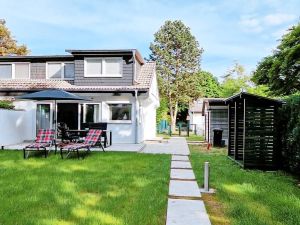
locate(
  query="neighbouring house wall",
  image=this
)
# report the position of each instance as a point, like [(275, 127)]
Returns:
[(197, 119), (13, 127), (126, 79)]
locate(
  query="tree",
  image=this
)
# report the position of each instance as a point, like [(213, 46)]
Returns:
[(236, 80), (281, 70), (177, 55), (207, 84), (8, 45)]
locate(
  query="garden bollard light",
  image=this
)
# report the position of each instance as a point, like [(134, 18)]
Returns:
[(206, 176)]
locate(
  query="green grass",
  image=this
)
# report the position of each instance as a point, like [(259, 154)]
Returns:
[(194, 137), (104, 188), (247, 197)]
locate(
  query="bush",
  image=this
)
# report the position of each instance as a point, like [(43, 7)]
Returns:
[(290, 132), (5, 104)]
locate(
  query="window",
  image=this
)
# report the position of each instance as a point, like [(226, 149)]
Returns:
[(93, 67), (91, 113), (54, 70), (60, 70), (120, 112), (5, 71), (69, 71), (103, 67), (112, 66), (22, 71)]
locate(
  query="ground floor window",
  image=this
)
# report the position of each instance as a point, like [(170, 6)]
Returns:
[(120, 112), (91, 113)]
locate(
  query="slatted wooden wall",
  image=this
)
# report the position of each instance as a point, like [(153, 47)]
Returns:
[(253, 138), (231, 129), (260, 149)]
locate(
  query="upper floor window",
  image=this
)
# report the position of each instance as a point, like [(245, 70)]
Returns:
[(60, 70), (5, 71), (14, 70), (103, 67)]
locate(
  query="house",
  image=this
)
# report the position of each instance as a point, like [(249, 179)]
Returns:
[(197, 120), (207, 114), (122, 88)]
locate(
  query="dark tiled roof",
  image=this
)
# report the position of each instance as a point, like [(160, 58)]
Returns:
[(143, 83)]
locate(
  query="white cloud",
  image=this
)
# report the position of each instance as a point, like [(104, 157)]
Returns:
[(278, 19), (250, 24)]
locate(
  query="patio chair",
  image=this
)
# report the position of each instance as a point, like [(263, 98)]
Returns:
[(91, 139), (45, 138), (65, 135)]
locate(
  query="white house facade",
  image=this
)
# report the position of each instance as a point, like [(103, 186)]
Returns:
[(121, 88)]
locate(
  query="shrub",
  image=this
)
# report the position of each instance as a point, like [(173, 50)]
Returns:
[(290, 132), (5, 104)]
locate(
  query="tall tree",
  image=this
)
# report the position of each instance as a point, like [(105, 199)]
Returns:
[(207, 84), (177, 55), (237, 80), (8, 45), (281, 70)]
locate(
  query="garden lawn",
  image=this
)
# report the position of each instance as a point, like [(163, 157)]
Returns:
[(104, 188), (246, 197), (194, 137)]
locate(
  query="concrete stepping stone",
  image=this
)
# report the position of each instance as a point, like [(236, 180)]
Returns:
[(182, 174), (186, 212), (181, 164), (180, 157), (179, 188)]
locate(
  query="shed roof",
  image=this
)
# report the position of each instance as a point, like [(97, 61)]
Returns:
[(254, 97)]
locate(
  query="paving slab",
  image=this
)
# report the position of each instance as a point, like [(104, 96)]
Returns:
[(180, 188), (186, 212), (180, 157), (175, 145), (182, 174), (181, 164)]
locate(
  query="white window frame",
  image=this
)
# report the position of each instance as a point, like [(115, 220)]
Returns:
[(103, 73), (84, 111), (120, 121), (13, 69), (62, 75)]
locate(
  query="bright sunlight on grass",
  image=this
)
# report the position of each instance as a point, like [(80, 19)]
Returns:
[(194, 137), (104, 188), (246, 197)]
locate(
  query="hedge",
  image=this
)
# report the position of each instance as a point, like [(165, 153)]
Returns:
[(5, 104), (290, 133)]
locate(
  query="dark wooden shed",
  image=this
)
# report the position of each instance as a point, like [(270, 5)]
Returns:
[(253, 139)]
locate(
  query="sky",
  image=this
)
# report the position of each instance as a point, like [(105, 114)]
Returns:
[(242, 31)]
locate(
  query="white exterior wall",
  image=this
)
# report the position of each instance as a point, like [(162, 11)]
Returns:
[(141, 127), (13, 127), (149, 106), (199, 120)]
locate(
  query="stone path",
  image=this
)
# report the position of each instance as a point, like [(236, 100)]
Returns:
[(185, 206), (177, 146)]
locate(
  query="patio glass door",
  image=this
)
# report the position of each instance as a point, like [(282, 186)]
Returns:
[(43, 116), (68, 113)]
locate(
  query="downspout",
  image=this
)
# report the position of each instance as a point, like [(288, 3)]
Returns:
[(136, 116)]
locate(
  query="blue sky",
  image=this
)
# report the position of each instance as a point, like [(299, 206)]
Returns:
[(228, 31)]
